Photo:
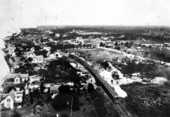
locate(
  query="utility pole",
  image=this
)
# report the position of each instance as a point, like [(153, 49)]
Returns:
[(71, 106)]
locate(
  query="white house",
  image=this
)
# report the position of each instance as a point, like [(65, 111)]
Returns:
[(52, 56), (57, 35), (9, 100), (18, 96), (17, 78), (11, 49), (47, 48), (38, 59), (34, 78), (35, 85), (30, 54)]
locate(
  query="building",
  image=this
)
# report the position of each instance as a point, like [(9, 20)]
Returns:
[(30, 54), (17, 78), (11, 49), (34, 78), (47, 48), (51, 57), (79, 40), (38, 59), (54, 89), (9, 100), (18, 97)]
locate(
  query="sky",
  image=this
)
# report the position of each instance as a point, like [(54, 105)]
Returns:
[(15, 14)]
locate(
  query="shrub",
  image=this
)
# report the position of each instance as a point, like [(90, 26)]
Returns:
[(64, 115)]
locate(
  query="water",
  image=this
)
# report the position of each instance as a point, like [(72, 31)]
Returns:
[(4, 68)]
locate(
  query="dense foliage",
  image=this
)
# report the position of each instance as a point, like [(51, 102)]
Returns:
[(147, 69), (148, 100), (64, 101)]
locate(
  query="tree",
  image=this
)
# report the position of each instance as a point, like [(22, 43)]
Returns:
[(117, 47), (42, 52), (42, 87), (43, 73), (15, 114), (104, 64), (17, 49), (48, 98), (129, 68), (64, 89), (75, 102), (61, 102), (90, 88), (30, 59), (115, 75), (102, 44), (116, 44), (64, 115), (19, 53), (37, 48)]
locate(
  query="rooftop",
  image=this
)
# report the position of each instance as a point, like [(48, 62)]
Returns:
[(9, 76), (39, 57)]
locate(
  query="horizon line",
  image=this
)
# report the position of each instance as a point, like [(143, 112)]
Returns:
[(156, 26)]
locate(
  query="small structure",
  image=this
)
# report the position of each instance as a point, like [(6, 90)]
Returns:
[(18, 97), (34, 85), (54, 89), (57, 35), (30, 54), (52, 56), (47, 48), (11, 49), (38, 59), (34, 78)]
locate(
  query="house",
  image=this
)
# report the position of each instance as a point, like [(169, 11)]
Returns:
[(11, 49), (54, 89), (34, 85), (30, 54), (38, 59), (18, 97), (12, 99), (47, 48), (8, 101), (15, 65), (34, 78), (16, 78), (48, 85), (52, 56)]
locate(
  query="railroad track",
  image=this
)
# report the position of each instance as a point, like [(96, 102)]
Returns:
[(106, 87)]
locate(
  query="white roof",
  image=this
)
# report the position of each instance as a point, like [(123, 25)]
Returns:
[(15, 75), (39, 57)]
